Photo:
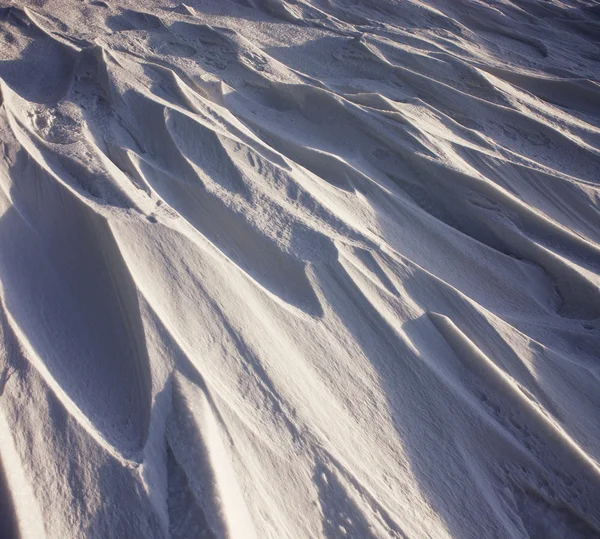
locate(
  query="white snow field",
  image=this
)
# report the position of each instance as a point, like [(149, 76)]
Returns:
[(295, 269)]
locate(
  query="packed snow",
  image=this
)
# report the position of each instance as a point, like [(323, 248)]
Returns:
[(295, 269)]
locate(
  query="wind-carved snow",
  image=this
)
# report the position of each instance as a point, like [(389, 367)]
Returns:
[(275, 269)]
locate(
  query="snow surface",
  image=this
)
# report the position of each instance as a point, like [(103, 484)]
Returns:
[(300, 269)]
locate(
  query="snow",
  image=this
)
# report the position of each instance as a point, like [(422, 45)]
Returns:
[(300, 269)]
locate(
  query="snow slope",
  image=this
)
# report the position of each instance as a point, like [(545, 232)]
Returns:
[(300, 269)]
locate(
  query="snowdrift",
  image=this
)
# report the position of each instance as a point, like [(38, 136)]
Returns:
[(300, 269)]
